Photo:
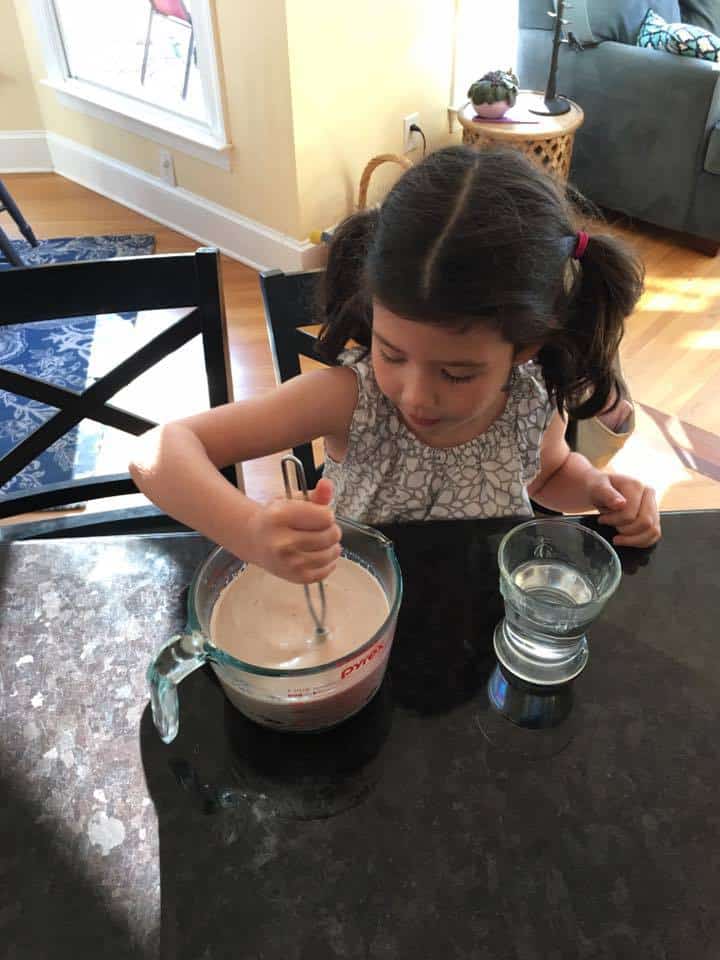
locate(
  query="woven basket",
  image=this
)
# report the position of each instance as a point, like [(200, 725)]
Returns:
[(371, 166), (318, 236)]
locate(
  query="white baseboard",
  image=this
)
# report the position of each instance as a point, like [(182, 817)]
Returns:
[(24, 151), (209, 223)]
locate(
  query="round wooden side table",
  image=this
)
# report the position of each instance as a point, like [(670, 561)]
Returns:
[(549, 142)]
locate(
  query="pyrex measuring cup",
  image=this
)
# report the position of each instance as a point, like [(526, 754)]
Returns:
[(309, 698)]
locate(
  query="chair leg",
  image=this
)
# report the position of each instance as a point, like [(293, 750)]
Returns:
[(147, 46), (191, 47), (7, 203), (8, 250)]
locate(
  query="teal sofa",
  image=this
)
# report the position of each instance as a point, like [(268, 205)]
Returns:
[(650, 144)]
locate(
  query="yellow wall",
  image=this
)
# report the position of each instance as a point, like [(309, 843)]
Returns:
[(313, 89), (355, 71), (19, 108)]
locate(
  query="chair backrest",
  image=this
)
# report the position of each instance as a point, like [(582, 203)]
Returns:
[(290, 304), (172, 8), (31, 295)]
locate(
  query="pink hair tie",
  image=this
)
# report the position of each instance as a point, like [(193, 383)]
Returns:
[(581, 245)]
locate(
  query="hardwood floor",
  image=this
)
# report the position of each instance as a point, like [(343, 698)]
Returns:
[(671, 355), (671, 352)]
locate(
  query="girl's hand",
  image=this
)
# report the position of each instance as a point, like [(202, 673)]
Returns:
[(297, 540), (627, 505)]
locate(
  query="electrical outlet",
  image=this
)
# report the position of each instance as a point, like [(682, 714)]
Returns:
[(167, 168), (411, 139)]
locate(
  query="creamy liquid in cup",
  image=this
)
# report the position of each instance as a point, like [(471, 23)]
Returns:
[(264, 620)]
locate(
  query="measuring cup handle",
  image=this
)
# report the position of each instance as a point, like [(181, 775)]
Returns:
[(181, 655)]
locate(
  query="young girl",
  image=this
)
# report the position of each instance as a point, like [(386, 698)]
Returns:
[(481, 316)]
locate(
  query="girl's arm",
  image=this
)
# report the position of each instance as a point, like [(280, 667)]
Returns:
[(561, 483), (177, 467), (568, 482)]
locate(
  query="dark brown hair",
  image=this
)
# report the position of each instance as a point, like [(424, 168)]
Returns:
[(485, 237)]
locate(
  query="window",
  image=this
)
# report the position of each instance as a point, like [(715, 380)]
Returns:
[(486, 38), (147, 65)]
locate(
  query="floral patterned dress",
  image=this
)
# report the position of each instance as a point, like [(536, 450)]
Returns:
[(389, 475)]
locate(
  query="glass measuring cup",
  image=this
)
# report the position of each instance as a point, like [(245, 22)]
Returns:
[(555, 578), (310, 698)]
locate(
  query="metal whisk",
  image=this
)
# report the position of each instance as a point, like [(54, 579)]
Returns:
[(319, 620)]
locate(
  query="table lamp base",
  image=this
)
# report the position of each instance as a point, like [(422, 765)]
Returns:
[(552, 108)]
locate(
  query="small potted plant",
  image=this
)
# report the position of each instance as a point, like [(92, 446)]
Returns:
[(493, 94)]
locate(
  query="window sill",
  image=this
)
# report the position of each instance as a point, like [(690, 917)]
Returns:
[(145, 120)]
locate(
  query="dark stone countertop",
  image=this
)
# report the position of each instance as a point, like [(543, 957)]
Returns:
[(422, 828)]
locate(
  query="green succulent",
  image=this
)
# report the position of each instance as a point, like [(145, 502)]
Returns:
[(495, 86)]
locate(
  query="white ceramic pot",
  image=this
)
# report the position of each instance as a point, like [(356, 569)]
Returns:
[(492, 111)]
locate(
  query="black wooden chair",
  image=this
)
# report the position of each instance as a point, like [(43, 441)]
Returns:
[(32, 294), (289, 300), (7, 248)]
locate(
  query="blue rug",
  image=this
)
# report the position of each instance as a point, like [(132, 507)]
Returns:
[(59, 351), (69, 249)]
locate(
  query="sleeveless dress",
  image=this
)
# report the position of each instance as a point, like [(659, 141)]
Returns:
[(389, 475)]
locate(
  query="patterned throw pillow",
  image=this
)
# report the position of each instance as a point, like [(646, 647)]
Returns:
[(681, 38)]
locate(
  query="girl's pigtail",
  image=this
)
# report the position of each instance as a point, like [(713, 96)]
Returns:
[(345, 304), (581, 361)]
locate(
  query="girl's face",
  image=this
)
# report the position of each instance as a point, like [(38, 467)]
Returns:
[(447, 386)]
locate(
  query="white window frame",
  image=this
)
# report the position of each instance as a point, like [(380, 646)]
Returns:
[(206, 140)]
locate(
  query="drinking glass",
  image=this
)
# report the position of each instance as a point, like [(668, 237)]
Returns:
[(556, 576)]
